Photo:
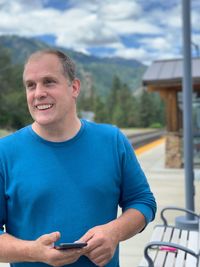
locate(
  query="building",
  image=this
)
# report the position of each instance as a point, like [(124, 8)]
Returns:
[(165, 77)]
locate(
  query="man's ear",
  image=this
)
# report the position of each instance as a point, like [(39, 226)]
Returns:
[(76, 86)]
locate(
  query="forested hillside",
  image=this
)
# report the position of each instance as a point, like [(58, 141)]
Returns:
[(108, 87), (92, 71)]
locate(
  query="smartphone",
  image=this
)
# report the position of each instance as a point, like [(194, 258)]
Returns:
[(70, 245)]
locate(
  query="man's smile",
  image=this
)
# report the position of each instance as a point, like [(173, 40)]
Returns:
[(44, 106)]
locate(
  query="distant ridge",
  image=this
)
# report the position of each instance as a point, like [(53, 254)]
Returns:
[(93, 71)]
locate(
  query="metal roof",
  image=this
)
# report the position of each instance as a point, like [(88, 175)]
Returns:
[(169, 71)]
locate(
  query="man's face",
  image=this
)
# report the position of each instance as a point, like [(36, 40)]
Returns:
[(51, 97)]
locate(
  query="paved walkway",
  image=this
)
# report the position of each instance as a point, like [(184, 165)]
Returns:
[(168, 187)]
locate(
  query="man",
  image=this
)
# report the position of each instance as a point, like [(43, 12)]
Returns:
[(62, 178)]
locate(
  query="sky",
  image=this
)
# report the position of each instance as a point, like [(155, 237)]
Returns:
[(145, 30)]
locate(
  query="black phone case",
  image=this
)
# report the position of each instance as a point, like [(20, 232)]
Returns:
[(70, 245)]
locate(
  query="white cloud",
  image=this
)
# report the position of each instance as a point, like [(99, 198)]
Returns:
[(141, 54), (133, 53), (112, 10), (93, 23), (87, 31), (133, 26), (158, 43)]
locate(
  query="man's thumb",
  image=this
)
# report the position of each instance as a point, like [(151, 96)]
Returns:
[(49, 239), (86, 237)]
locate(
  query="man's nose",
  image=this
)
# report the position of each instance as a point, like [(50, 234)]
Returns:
[(40, 92)]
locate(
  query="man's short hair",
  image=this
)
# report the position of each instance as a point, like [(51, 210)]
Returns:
[(69, 67)]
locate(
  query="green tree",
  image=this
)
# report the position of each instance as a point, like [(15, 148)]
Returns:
[(118, 116), (129, 106), (151, 109), (86, 101), (122, 105), (133, 114), (15, 112), (100, 110), (159, 110), (113, 98), (146, 109), (13, 108)]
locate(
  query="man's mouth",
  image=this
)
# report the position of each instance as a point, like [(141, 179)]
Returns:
[(44, 106)]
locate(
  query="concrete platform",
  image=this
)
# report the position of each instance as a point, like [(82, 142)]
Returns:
[(168, 187)]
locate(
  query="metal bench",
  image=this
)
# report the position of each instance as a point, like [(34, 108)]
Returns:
[(170, 246)]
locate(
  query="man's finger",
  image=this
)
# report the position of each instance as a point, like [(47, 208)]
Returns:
[(49, 239)]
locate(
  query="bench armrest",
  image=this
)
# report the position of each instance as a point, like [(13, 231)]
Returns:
[(157, 244), (175, 208)]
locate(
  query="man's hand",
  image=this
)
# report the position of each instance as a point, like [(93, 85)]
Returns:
[(101, 244), (42, 250), (102, 240)]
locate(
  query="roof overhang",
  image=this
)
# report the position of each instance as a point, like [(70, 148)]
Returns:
[(169, 73)]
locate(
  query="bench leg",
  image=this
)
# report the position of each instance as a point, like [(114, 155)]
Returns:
[(149, 260)]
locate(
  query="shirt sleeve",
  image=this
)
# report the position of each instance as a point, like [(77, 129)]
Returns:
[(2, 205), (135, 190)]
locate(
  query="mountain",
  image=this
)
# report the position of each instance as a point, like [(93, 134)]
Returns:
[(93, 71)]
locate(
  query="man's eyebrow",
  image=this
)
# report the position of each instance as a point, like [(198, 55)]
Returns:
[(49, 77), (42, 79)]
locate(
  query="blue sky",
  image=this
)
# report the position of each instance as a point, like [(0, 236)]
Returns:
[(145, 30)]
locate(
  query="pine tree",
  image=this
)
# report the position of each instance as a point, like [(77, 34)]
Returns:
[(146, 109), (151, 110), (113, 98), (13, 107), (100, 110)]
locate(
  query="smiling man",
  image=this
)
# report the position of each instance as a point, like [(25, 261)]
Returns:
[(62, 178), (51, 96)]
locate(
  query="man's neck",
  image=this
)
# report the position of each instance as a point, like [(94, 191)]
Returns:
[(58, 134)]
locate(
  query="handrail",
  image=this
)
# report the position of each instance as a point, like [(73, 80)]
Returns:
[(176, 208)]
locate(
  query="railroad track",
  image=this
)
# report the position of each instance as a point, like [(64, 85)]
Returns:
[(140, 139)]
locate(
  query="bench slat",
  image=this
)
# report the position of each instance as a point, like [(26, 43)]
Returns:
[(161, 254), (192, 244), (158, 233), (171, 255), (181, 254), (158, 236)]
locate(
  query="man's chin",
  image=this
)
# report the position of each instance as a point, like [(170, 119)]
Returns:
[(43, 123)]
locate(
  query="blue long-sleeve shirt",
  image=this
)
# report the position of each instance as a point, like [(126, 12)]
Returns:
[(69, 186)]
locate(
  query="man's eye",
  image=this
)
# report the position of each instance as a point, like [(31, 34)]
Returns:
[(48, 82), (30, 85)]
